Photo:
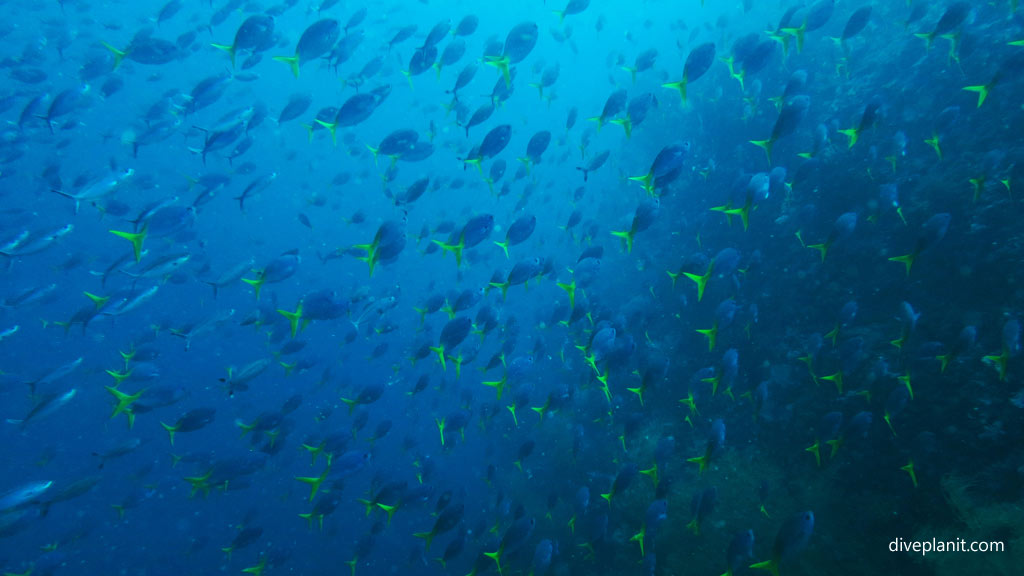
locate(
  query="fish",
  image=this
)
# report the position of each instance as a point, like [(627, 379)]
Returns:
[(231, 275), (24, 495), (146, 49), (955, 15), (792, 538), (64, 103), (466, 26), (636, 113), (932, 232), (162, 267), (446, 521), (100, 188), (548, 79), (513, 539), (316, 40), (615, 103), (644, 61), (475, 231), (296, 106), (855, 24), (191, 421), (253, 34), (535, 148), (572, 8), (388, 242), (519, 43), (118, 451), (518, 232), (794, 110), (643, 218), (702, 506), (45, 406), (132, 300), (168, 11), (665, 167), (355, 20), (698, 62), (437, 33), (30, 243), (239, 381), (493, 143), (207, 325)]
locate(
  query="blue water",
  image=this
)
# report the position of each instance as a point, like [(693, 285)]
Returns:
[(860, 295)]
